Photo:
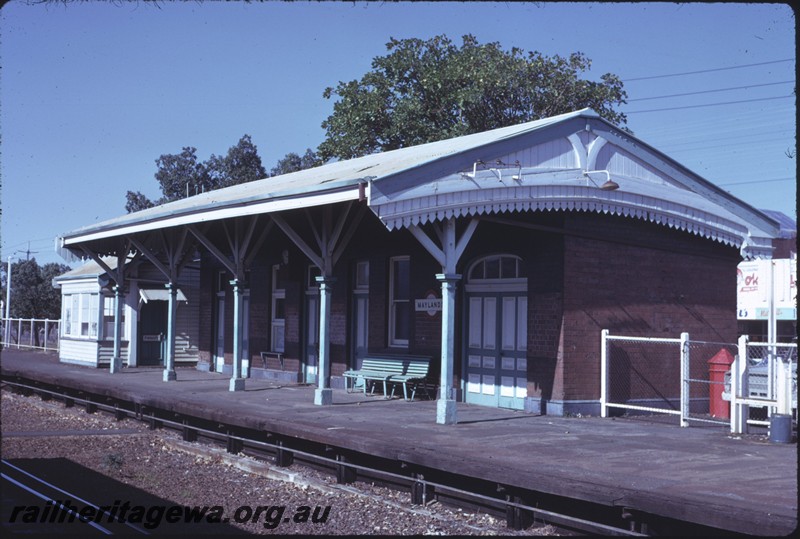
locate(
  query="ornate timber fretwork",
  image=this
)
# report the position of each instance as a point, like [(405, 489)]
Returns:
[(586, 154), (240, 247), (450, 248), (330, 238)]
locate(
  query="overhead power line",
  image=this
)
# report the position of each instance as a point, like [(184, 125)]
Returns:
[(712, 91), (708, 70), (710, 104), (757, 181)]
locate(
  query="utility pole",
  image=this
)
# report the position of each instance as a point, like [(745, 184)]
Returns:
[(28, 253), (8, 301)]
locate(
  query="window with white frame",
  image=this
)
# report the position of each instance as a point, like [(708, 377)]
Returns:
[(81, 314), (108, 318), (399, 301), (278, 322), (66, 315)]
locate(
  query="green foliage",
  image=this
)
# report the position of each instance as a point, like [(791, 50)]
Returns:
[(32, 292), (136, 201), (241, 165), (421, 91), (181, 175), (424, 91), (293, 162)]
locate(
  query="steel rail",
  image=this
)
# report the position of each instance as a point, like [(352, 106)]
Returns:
[(71, 496), (550, 517)]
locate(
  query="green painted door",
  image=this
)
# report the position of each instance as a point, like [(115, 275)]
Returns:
[(496, 363)]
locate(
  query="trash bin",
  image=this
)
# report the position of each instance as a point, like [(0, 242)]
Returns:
[(717, 367), (780, 428)]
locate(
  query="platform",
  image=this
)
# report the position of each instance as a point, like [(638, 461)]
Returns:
[(700, 474)]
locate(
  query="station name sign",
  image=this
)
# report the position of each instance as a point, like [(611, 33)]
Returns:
[(430, 304)]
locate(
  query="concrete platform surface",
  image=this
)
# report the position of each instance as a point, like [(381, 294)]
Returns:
[(700, 474)]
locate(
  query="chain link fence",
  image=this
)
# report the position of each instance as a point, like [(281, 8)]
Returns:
[(640, 375), (671, 376), (761, 384), (708, 363)]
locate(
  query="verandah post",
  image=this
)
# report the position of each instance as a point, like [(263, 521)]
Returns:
[(323, 395), (237, 381), (169, 362), (116, 360), (446, 405)]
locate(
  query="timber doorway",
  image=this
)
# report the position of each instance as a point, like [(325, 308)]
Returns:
[(496, 365), (152, 333), (218, 361), (311, 333), (360, 313)]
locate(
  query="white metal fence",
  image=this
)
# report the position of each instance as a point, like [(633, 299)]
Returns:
[(695, 380), (31, 333), (673, 376), (763, 377)]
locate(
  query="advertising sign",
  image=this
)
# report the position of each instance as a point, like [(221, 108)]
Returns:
[(754, 282)]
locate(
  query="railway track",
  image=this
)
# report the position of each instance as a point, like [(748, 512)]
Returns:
[(520, 508)]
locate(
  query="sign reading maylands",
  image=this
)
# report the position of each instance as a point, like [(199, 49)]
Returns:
[(753, 284), (431, 304)]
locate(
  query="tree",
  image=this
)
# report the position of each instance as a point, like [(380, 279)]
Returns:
[(32, 291), (136, 201), (292, 162), (241, 165), (423, 91), (181, 175)]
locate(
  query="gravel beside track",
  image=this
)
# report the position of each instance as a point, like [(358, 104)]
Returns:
[(154, 462)]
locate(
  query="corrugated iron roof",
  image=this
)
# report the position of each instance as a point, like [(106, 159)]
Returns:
[(329, 177), (788, 226), (422, 175)]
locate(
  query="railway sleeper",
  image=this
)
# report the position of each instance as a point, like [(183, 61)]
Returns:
[(21, 390), (283, 457), (153, 422), (635, 520), (345, 474), (189, 434), (627, 520), (421, 491), (119, 413), (233, 444), (517, 518)]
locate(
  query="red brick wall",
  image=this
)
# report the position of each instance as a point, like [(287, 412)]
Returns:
[(540, 246), (586, 273), (642, 279)]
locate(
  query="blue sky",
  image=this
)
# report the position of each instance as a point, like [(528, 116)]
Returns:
[(93, 93)]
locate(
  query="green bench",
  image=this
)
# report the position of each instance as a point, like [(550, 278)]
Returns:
[(405, 370)]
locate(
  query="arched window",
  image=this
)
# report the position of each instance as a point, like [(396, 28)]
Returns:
[(496, 268)]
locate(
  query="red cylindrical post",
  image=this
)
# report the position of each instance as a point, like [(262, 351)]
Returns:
[(717, 367)]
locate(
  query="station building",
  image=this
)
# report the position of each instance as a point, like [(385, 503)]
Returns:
[(500, 256)]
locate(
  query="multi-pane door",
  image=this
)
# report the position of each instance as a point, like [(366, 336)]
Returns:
[(496, 367)]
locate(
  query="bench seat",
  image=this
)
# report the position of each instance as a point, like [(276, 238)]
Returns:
[(404, 370)]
